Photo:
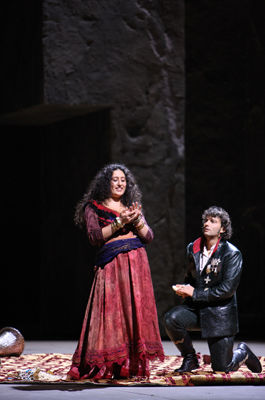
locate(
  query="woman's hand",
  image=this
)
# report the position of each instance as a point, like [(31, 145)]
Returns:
[(127, 216), (131, 214), (136, 209)]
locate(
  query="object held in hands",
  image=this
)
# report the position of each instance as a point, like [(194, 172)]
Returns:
[(178, 286)]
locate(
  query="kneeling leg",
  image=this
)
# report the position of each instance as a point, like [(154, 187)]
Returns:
[(177, 322), (221, 351)]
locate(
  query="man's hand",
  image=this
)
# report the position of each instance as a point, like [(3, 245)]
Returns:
[(183, 290)]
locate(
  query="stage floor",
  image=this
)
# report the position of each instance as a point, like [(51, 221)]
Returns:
[(61, 392)]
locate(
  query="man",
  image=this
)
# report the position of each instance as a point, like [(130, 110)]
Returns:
[(213, 273)]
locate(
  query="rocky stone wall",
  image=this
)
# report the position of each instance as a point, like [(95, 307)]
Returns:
[(129, 56)]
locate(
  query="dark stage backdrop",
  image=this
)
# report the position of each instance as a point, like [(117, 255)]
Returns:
[(225, 141), (46, 276), (46, 168)]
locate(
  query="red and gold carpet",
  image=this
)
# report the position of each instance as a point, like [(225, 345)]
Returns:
[(52, 368)]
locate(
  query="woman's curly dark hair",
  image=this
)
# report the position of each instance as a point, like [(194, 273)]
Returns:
[(215, 211), (99, 190)]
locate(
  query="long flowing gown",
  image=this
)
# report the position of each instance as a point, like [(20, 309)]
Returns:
[(120, 332)]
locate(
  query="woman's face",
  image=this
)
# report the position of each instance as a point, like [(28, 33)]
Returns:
[(117, 184)]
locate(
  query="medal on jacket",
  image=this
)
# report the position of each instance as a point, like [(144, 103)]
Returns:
[(213, 267), (208, 269)]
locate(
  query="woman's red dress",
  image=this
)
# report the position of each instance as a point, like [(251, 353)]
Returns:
[(120, 332)]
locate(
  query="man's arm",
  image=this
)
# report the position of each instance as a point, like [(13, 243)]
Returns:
[(232, 269), (226, 288)]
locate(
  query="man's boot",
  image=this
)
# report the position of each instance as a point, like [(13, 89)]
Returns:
[(190, 361), (242, 355)]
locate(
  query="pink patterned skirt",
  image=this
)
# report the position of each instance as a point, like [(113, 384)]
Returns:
[(120, 332)]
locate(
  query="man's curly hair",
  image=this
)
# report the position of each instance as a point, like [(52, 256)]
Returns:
[(215, 211), (99, 190)]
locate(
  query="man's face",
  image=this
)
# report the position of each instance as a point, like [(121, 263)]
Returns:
[(212, 227)]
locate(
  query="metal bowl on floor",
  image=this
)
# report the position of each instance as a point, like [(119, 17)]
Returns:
[(11, 342)]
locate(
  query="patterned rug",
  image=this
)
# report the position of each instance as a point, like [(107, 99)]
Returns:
[(52, 368)]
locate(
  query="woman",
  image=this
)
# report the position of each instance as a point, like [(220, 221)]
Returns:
[(120, 331)]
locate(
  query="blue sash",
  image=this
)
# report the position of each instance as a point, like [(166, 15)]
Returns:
[(112, 249)]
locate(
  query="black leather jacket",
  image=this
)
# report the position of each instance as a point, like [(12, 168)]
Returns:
[(215, 288)]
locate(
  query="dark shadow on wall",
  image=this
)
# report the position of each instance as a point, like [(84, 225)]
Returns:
[(225, 141), (46, 170), (21, 76)]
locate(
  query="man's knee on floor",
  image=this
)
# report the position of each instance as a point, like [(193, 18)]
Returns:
[(219, 366)]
